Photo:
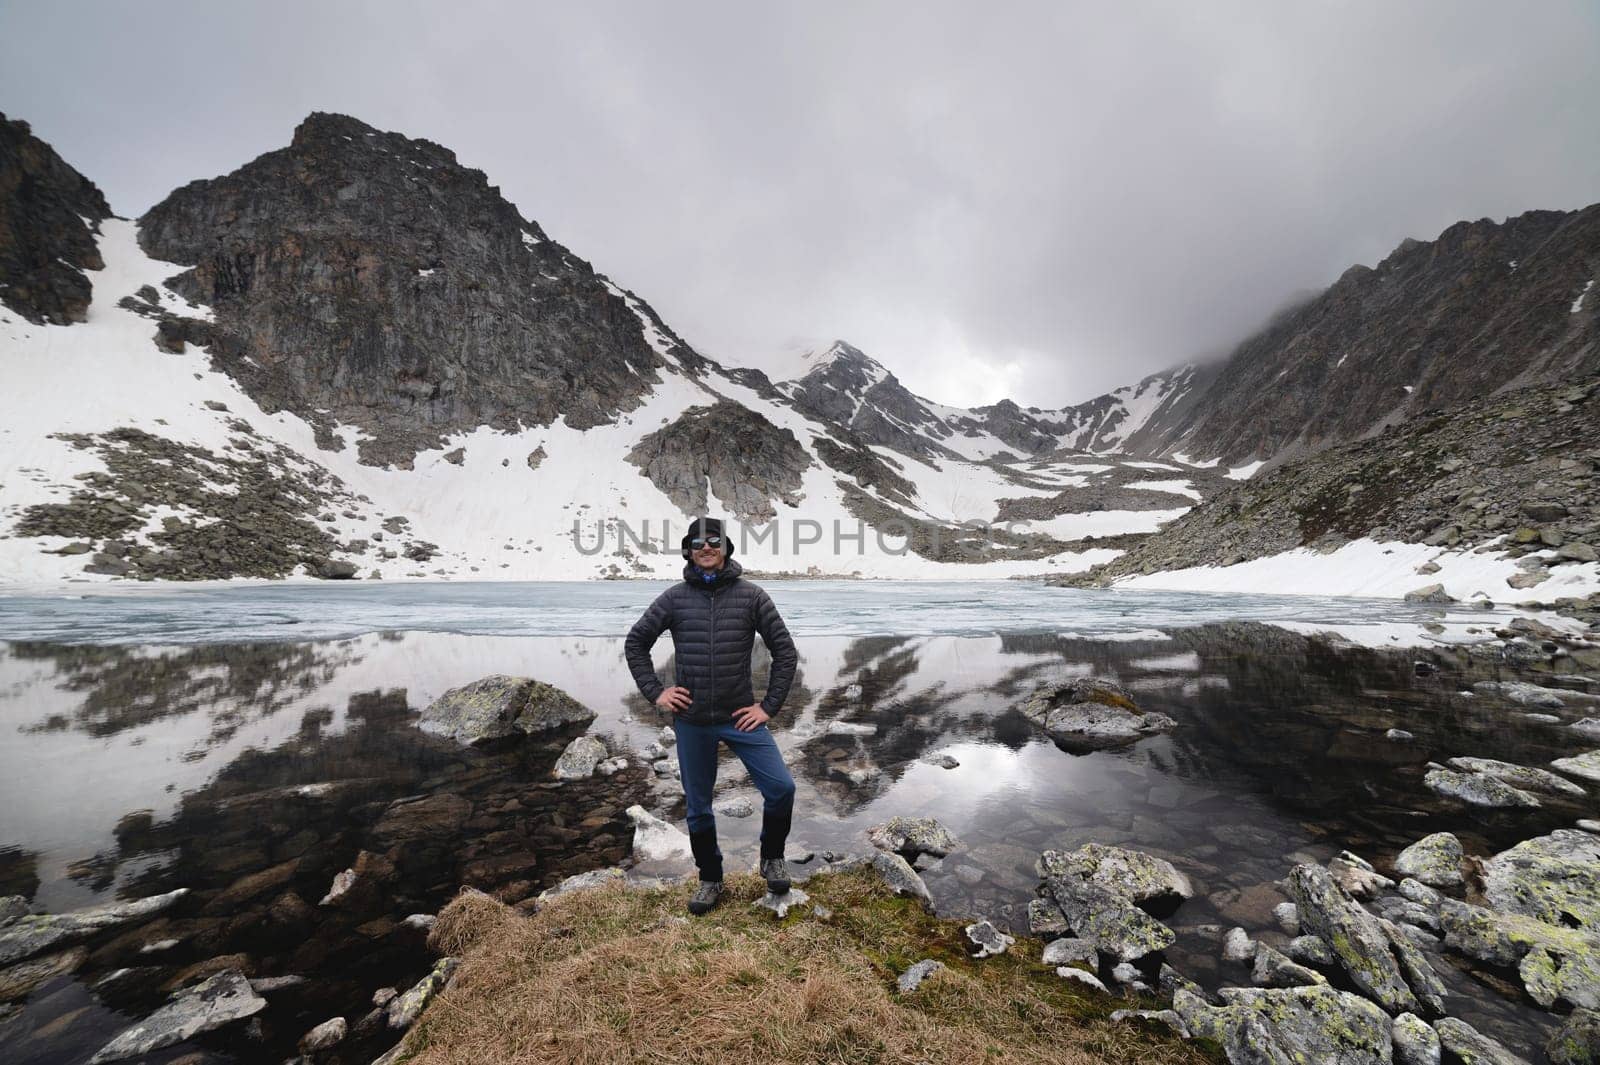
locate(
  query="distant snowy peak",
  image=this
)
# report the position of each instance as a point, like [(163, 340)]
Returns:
[(1138, 419)]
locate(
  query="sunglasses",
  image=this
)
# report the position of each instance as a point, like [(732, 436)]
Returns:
[(705, 541)]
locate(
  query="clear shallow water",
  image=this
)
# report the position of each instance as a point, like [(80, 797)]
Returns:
[(149, 759)]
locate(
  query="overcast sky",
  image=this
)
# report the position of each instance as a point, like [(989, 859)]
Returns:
[(1035, 200)]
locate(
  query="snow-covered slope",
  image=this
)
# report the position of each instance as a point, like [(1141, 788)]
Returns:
[(542, 503)]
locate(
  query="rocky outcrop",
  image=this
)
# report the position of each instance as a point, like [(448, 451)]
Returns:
[(1308, 1024), (1516, 466), (375, 278), (50, 218), (1483, 307), (1377, 959), (746, 461), (244, 510), (1099, 891)]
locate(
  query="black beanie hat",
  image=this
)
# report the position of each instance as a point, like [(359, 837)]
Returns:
[(707, 527)]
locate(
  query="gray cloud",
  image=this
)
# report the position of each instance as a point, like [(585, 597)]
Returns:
[(1035, 200)]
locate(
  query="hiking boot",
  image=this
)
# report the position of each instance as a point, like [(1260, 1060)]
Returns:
[(776, 871), (705, 897)]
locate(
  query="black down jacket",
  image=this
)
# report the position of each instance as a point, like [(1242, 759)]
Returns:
[(714, 626)]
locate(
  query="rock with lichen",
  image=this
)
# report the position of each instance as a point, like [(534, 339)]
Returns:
[(498, 706), (1091, 714)]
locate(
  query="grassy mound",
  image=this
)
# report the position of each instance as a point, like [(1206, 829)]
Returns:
[(618, 975)]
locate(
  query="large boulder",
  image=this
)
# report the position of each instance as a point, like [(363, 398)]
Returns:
[(499, 706), (1524, 777), (1091, 714), (1108, 919), (912, 836), (1377, 958), (1554, 879), (1139, 877), (1297, 1024), (1477, 789)]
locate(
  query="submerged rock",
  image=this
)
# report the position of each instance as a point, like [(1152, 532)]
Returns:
[(1477, 789), (1471, 1045), (498, 706), (912, 837), (1091, 714), (1434, 860), (1585, 766), (1238, 947), (220, 1000), (33, 934), (1519, 776)]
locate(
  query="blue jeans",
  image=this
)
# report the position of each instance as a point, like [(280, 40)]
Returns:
[(697, 765)]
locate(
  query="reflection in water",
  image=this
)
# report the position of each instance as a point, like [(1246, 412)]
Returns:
[(125, 687), (253, 774)]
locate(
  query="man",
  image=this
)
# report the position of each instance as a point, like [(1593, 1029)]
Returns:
[(714, 617)]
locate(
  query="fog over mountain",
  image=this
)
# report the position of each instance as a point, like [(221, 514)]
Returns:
[(1030, 202)]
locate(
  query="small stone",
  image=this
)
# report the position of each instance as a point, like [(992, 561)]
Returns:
[(1272, 969), (739, 806), (1067, 972), (913, 977), (1125, 973), (1433, 860), (988, 939), (1399, 735), (1310, 950), (1415, 1042), (780, 904), (1068, 952), (1288, 918), (325, 1035)]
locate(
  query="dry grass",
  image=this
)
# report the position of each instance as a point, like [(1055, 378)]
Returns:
[(607, 976)]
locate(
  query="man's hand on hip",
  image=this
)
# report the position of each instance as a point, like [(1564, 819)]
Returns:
[(675, 698), (749, 718)]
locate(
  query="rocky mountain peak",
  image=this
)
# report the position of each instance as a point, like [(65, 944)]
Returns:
[(371, 276), (50, 216)]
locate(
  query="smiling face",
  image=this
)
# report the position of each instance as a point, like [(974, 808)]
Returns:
[(707, 557)]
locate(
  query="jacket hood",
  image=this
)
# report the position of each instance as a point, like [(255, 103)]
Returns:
[(729, 573)]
